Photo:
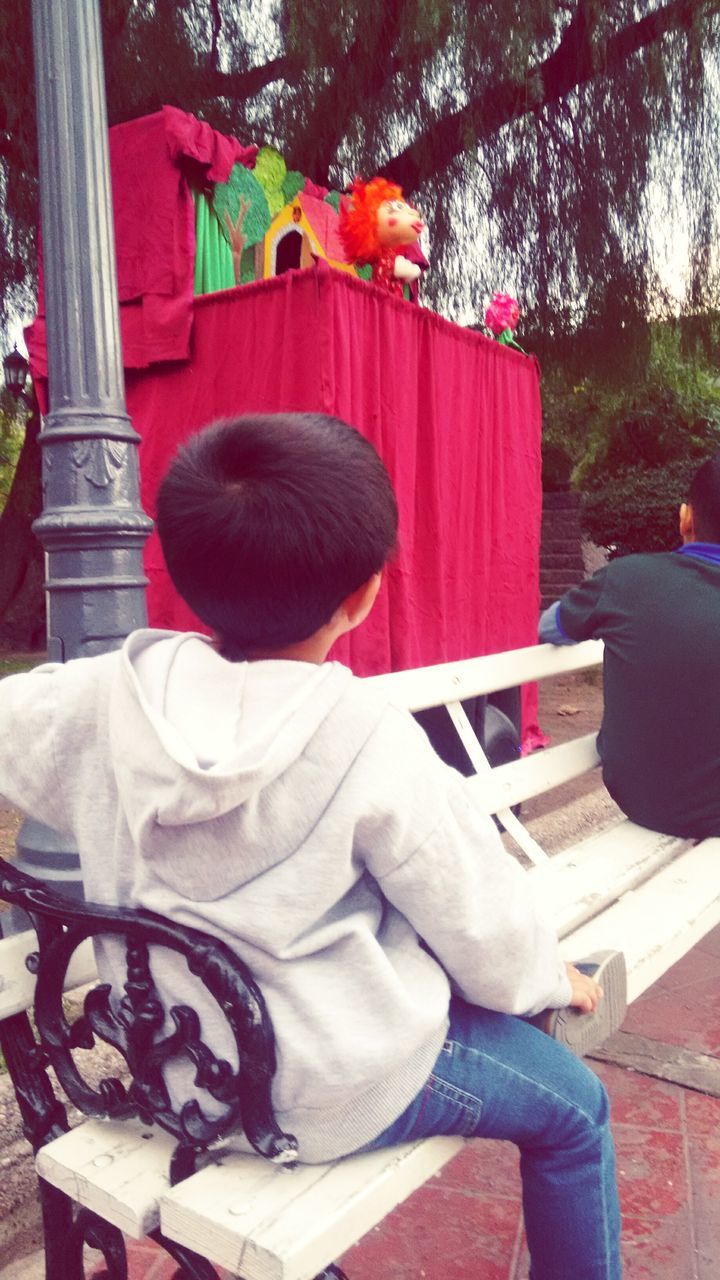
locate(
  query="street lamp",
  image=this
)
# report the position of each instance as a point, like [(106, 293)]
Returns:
[(16, 369), (92, 528)]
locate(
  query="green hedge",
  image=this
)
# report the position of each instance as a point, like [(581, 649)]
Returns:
[(633, 445), (637, 510)]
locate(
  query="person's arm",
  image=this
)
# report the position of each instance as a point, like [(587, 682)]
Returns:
[(43, 725), (438, 858), (577, 615), (550, 629), (473, 905)]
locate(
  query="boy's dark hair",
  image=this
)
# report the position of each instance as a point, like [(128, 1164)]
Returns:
[(704, 498), (268, 522)]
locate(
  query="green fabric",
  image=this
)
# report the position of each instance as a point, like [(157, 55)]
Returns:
[(213, 255), (659, 616), (226, 197)]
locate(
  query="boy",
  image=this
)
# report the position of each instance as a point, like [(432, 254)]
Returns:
[(251, 788)]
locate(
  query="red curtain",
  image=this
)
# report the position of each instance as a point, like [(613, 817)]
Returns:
[(455, 416), (154, 219)]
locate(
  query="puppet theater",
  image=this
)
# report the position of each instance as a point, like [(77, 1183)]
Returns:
[(455, 416)]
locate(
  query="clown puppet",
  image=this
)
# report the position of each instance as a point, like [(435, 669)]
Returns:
[(376, 226)]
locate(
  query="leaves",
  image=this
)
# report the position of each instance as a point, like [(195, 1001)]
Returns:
[(637, 442), (549, 144), (12, 432)]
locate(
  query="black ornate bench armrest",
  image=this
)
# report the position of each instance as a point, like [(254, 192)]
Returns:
[(136, 1025)]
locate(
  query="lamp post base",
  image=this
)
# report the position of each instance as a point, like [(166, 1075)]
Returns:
[(51, 858)]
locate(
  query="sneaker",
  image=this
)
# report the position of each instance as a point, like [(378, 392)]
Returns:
[(583, 1032)]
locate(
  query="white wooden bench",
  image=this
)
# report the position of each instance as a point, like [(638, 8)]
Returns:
[(627, 888)]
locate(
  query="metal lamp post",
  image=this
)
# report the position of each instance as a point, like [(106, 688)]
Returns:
[(92, 527)]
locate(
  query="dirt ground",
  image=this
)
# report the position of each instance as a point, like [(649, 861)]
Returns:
[(570, 707), (9, 826)]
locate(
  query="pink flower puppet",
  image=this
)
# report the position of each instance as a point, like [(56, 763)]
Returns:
[(503, 313)]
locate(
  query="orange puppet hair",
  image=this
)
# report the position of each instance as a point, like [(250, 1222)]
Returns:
[(358, 217)]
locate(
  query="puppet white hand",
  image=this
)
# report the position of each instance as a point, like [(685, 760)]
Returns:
[(405, 269)]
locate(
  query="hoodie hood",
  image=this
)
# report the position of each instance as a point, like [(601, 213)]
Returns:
[(199, 745)]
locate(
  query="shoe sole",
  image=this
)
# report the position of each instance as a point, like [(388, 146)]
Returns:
[(583, 1032)]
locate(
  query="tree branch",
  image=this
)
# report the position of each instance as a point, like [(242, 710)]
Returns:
[(216, 19), (240, 85), (361, 75), (574, 62)]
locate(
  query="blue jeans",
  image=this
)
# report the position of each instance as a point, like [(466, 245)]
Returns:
[(499, 1077)]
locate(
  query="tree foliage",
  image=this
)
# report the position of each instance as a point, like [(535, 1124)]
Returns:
[(22, 607), (11, 437), (546, 141), (632, 448)]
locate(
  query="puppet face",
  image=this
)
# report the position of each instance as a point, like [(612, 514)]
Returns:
[(398, 223)]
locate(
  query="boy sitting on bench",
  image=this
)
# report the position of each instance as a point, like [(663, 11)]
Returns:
[(249, 787)]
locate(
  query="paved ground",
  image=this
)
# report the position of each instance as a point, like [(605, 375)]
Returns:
[(466, 1224)]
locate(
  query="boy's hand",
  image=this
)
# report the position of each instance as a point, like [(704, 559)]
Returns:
[(586, 992)]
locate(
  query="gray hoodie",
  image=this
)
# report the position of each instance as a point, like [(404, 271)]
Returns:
[(288, 809)]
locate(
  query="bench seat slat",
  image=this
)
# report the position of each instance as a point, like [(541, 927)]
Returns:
[(292, 1224), (578, 884), (509, 784), (118, 1168), (17, 984), (657, 924)]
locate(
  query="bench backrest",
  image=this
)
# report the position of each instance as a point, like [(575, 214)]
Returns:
[(452, 683)]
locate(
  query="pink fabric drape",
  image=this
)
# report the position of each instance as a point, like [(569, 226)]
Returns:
[(151, 161), (455, 416)]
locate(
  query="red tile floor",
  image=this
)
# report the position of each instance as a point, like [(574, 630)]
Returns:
[(466, 1223)]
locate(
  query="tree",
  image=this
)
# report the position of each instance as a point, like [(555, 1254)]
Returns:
[(536, 136), (11, 437)]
